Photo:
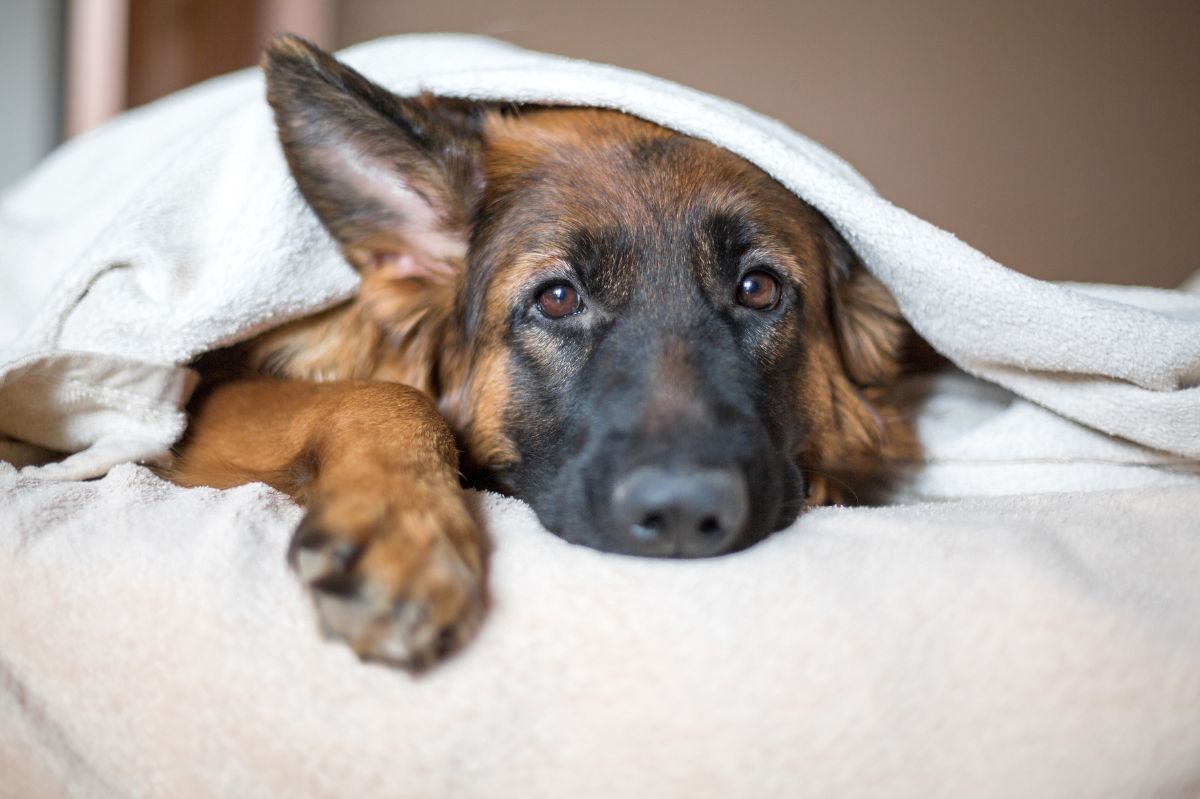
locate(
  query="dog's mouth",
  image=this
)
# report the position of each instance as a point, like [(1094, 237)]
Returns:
[(674, 508), (695, 509)]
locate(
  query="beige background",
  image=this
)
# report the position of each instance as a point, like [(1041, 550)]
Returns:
[(1062, 138)]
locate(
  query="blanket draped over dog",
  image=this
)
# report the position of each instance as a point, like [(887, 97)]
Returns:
[(1028, 625), (195, 237)]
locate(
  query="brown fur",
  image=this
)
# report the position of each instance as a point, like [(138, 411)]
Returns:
[(369, 399)]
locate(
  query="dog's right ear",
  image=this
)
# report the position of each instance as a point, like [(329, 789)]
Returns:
[(395, 180)]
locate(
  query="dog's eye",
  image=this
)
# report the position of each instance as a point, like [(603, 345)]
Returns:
[(559, 300), (758, 290)]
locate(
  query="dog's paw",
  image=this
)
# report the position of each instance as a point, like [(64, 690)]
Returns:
[(401, 585)]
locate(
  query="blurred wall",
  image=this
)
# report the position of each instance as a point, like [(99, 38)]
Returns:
[(1062, 138), (175, 43), (30, 52)]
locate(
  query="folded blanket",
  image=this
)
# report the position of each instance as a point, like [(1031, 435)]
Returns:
[(1027, 623), (177, 229), (153, 643)]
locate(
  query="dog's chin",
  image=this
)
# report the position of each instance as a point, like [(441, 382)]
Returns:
[(582, 534)]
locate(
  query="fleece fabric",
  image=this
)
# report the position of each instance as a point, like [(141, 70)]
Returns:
[(154, 643)]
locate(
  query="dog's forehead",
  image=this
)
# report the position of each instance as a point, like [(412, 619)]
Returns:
[(604, 165), (623, 201)]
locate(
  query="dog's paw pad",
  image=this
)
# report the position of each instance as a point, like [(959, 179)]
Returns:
[(392, 596)]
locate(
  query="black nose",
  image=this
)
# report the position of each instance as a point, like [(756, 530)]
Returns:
[(688, 513)]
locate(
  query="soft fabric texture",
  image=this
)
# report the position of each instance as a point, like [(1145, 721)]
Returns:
[(153, 643), (1025, 623)]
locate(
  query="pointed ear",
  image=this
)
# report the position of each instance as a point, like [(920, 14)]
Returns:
[(395, 180), (866, 320)]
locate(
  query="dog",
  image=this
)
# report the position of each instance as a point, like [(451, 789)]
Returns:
[(643, 336)]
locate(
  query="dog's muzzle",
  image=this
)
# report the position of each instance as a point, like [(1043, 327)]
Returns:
[(680, 513)]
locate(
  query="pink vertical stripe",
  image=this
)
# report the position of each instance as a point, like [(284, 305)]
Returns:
[(97, 46), (312, 19)]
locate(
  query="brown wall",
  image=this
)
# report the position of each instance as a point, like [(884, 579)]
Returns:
[(1062, 138), (175, 43)]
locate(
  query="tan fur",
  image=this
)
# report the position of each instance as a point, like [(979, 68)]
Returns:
[(378, 469)]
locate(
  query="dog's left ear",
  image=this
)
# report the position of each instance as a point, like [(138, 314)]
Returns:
[(396, 181)]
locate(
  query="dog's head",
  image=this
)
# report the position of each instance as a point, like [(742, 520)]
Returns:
[(642, 335)]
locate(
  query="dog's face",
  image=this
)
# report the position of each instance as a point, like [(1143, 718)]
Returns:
[(642, 335), (653, 295)]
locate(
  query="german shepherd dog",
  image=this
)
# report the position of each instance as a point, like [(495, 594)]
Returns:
[(645, 337)]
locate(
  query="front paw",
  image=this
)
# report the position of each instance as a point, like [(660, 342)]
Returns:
[(402, 584)]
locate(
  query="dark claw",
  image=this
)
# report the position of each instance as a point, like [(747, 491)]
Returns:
[(309, 535), (339, 584), (447, 642)]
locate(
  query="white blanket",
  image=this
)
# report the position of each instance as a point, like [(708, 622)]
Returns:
[(153, 643), (1028, 625)]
